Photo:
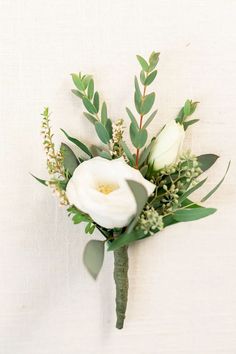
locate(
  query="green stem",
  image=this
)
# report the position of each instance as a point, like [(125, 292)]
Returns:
[(122, 283)]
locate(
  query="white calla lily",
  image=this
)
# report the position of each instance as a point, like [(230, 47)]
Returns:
[(168, 145), (98, 187)]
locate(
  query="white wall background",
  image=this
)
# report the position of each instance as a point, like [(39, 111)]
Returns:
[(182, 297)]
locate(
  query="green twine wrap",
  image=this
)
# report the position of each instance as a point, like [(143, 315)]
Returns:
[(122, 284)]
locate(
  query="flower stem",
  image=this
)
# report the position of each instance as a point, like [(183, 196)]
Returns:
[(122, 283)]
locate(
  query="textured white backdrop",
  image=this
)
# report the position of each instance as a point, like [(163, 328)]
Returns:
[(182, 297)]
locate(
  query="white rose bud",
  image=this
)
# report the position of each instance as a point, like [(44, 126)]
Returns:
[(98, 187), (168, 145)]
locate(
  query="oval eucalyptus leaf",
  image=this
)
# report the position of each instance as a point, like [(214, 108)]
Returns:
[(104, 113), (70, 161), (138, 102), (90, 89), (191, 190), (127, 153), (137, 89), (143, 63), (142, 138), (78, 93), (192, 214), (78, 82), (132, 117), (206, 161), (89, 106), (150, 119), (102, 132), (90, 117), (93, 257), (142, 77), (96, 101), (109, 127), (147, 103), (151, 77)]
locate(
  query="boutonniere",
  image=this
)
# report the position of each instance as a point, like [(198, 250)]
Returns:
[(126, 193)]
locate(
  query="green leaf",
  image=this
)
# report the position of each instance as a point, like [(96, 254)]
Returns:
[(78, 143), (86, 79), (206, 161), (109, 127), (190, 122), (70, 161), (93, 257), (145, 153), (138, 136), (143, 63), (104, 114), (138, 102), (78, 93), (137, 89), (217, 186), (192, 214), (125, 239), (153, 60), (141, 197), (127, 152), (90, 89), (102, 132), (144, 170), (42, 181), (90, 117), (147, 103), (96, 101), (191, 190), (132, 117), (78, 82), (150, 78), (142, 77), (89, 106), (150, 119), (187, 108)]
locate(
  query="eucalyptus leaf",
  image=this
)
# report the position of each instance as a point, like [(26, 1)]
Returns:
[(96, 101), (192, 214), (190, 122), (109, 127), (147, 103), (142, 77), (145, 153), (78, 82), (138, 136), (141, 197), (132, 117), (127, 153), (93, 257), (78, 93), (125, 239), (102, 132), (78, 143), (217, 186), (150, 119), (138, 102), (104, 113), (144, 170), (206, 161), (187, 108), (191, 190), (90, 89), (143, 63), (137, 89), (150, 78), (70, 161), (90, 117), (89, 106)]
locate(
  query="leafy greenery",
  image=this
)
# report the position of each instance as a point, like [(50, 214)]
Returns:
[(78, 143), (70, 161), (93, 257), (78, 217)]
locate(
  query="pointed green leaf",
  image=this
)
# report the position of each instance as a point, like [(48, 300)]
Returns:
[(104, 113), (150, 78), (78, 93), (127, 153), (192, 214), (153, 60), (93, 257), (142, 77), (143, 63), (78, 143), (70, 161), (89, 106), (90, 117), (109, 127), (96, 101), (138, 102), (137, 89), (150, 119), (206, 161), (191, 190), (217, 186), (78, 82), (102, 132), (190, 122), (125, 239), (90, 89), (147, 103), (132, 117), (42, 181), (141, 197), (187, 108), (145, 153)]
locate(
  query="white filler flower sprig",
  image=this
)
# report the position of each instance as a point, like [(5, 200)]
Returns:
[(128, 194)]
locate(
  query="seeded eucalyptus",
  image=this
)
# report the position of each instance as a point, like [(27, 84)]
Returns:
[(128, 191)]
